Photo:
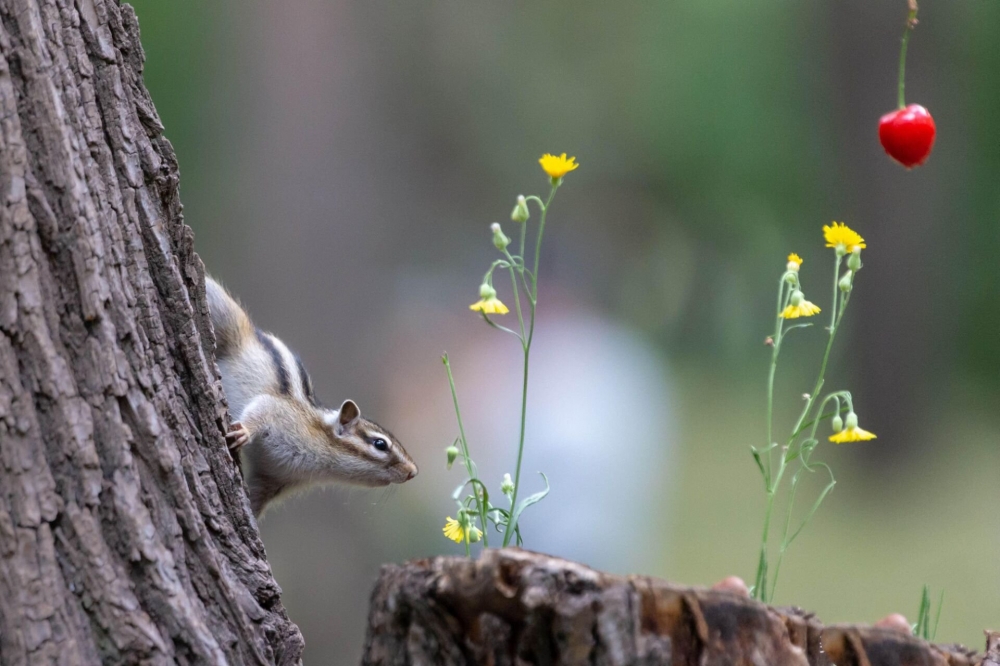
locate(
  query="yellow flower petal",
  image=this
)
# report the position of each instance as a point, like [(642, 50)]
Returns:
[(803, 309), (491, 305), (453, 530), (852, 435), (795, 259), (557, 167), (839, 234)]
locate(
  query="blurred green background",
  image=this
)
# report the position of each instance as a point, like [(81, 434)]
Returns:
[(341, 162)]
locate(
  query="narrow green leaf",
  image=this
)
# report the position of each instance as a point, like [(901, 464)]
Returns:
[(528, 501)]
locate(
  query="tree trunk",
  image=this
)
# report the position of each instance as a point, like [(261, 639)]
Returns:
[(125, 532), (515, 607)]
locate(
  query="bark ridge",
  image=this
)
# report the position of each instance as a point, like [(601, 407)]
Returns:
[(125, 533)]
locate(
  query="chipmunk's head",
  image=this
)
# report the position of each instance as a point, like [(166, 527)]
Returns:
[(368, 454)]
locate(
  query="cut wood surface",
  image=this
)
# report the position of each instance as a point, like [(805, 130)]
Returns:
[(125, 533), (516, 607)]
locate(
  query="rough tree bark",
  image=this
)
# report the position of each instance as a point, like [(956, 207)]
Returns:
[(125, 533), (512, 607)]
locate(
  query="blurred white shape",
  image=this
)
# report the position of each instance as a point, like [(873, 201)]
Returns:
[(601, 426)]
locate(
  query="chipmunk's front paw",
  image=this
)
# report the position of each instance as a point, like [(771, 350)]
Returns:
[(237, 437)]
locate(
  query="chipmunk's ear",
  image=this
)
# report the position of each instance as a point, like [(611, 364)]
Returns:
[(349, 415)]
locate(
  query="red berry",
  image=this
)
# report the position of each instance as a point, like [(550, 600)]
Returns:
[(907, 135)]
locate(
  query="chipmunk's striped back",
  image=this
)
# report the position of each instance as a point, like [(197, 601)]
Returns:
[(291, 440), (253, 362)]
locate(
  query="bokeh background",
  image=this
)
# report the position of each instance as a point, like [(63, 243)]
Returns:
[(341, 163)]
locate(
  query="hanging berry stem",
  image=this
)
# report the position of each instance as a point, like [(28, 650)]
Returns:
[(911, 22)]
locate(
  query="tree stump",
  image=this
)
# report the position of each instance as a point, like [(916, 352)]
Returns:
[(125, 533), (514, 607)]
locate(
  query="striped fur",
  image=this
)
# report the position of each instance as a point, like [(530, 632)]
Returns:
[(270, 343), (293, 442)]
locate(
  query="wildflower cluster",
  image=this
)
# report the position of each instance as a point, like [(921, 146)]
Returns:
[(774, 459), (475, 505)]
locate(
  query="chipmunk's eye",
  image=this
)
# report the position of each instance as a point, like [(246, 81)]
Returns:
[(380, 444)]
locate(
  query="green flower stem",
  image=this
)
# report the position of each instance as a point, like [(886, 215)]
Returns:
[(467, 459), (498, 263), (818, 419), (510, 529), (786, 541), (760, 584), (524, 232), (517, 305), (514, 266), (835, 396), (784, 545), (835, 319), (500, 327), (538, 244), (774, 367), (784, 296), (911, 21), (815, 425)]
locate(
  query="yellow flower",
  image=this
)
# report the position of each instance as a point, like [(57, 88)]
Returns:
[(798, 306), (852, 435), (490, 305), (488, 302), (851, 431), (557, 167), (803, 309), (795, 259), (453, 530), (842, 237)]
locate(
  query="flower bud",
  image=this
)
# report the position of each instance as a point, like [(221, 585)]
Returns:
[(452, 453), (507, 485), (500, 241), (475, 534), (838, 423), (854, 261), (851, 421), (521, 212), (486, 291), (847, 282), (794, 261), (797, 297)]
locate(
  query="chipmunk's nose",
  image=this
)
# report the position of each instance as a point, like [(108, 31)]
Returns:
[(413, 473)]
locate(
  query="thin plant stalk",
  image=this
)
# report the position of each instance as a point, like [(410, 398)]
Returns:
[(526, 348), (760, 589), (784, 294), (911, 22), (466, 458)]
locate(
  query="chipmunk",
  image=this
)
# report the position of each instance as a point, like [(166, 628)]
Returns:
[(291, 440)]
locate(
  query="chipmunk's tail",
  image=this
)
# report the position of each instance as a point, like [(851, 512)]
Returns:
[(231, 323)]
